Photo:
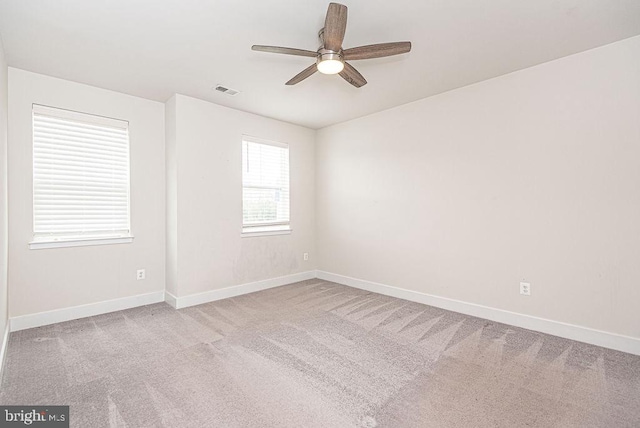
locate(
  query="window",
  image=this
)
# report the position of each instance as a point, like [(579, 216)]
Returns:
[(265, 186), (80, 179)]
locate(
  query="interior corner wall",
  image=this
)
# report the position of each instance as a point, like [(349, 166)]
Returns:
[(171, 167), (530, 176), (59, 278), (211, 254), (4, 76)]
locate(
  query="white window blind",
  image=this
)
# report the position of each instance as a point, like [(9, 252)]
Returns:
[(265, 185), (80, 176)]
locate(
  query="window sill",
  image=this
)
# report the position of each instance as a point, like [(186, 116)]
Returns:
[(39, 245), (248, 232)]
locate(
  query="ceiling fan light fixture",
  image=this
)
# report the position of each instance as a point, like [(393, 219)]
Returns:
[(329, 62), (330, 66)]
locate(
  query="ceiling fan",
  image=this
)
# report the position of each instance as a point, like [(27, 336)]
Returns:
[(330, 57)]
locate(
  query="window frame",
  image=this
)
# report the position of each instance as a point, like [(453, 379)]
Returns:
[(42, 242), (271, 228)]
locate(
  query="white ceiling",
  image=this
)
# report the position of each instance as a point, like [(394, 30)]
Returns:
[(154, 49)]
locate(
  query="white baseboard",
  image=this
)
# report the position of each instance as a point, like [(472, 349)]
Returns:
[(51, 317), (67, 314), (236, 290), (555, 328), (3, 349), (171, 300)]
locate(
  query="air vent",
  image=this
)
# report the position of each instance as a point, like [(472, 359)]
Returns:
[(226, 90)]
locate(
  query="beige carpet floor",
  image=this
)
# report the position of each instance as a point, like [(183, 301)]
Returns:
[(316, 354)]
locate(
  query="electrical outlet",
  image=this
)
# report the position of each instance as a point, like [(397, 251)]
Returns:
[(305, 256), (525, 289), (141, 274)]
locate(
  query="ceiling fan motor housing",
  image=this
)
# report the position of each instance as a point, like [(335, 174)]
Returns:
[(326, 54)]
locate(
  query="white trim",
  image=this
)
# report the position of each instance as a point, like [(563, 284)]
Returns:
[(246, 233), (237, 290), (40, 245), (170, 299), (3, 349), (66, 314), (555, 328)]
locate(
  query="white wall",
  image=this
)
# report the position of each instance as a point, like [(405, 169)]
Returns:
[(48, 279), (207, 174), (534, 175), (3, 192)]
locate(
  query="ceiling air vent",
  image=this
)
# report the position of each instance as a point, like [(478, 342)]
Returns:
[(226, 90)]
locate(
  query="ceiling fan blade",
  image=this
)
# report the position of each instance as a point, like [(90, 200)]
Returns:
[(377, 51), (286, 51), (335, 25), (303, 75), (352, 76)]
